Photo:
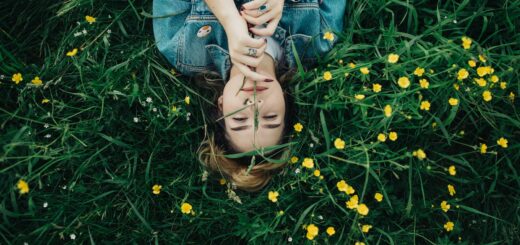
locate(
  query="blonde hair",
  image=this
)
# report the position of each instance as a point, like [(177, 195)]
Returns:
[(212, 155)]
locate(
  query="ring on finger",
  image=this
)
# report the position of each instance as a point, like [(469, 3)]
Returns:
[(252, 52), (262, 9)]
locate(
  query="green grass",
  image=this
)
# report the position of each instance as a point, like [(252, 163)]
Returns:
[(83, 154)]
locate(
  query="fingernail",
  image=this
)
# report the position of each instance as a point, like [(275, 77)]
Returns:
[(242, 8), (268, 80)]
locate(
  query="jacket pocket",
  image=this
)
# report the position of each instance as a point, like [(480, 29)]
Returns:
[(304, 46), (220, 59)]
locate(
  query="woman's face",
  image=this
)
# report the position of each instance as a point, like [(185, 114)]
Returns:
[(239, 127)]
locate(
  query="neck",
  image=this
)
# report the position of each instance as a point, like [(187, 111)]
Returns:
[(266, 67)]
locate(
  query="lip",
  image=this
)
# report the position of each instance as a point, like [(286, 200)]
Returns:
[(252, 89)]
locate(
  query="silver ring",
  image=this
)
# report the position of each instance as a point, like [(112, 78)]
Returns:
[(263, 8), (252, 52)]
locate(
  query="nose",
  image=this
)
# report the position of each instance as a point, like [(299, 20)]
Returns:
[(259, 102)]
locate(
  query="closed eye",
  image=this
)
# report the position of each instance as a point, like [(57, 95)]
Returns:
[(240, 119), (270, 117)]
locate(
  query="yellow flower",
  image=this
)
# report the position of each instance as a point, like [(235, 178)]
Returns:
[(156, 189), (484, 70), (419, 71), (327, 75), (388, 110), (378, 196), (445, 206), (364, 70), (273, 196), (294, 159), (451, 190), (392, 136), (187, 100), (502, 142), (483, 148), (448, 226), (298, 127), (22, 186), (512, 96), (425, 105), (403, 82), (487, 95), (462, 74), (456, 86), (339, 144), (17, 78), (434, 124), (222, 181), (72, 52), (90, 19), (328, 36), (359, 243), (186, 208), (472, 63), (352, 203), (381, 137), (393, 58), (308, 162), (331, 231), (376, 87), (36, 81), (366, 228), (174, 108), (503, 85), (494, 79), (480, 81), (351, 65), (312, 231), (317, 173), (452, 170), (466, 42), (453, 101), (362, 209), (424, 83), (419, 154), (343, 186), (482, 58), (44, 101), (281, 212), (359, 96)]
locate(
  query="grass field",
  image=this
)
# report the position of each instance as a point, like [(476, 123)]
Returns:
[(98, 129)]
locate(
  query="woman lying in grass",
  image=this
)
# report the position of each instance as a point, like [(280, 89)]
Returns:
[(248, 49)]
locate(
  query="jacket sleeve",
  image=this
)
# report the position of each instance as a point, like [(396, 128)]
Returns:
[(168, 18)]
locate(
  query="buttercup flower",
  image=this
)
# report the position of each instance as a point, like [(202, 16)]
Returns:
[(403, 82), (327, 75), (312, 231), (308, 162), (186, 208), (448, 226), (362, 209), (419, 71), (328, 36), (462, 74), (376, 87), (456, 86), (187, 100), (359, 96), (156, 189), (480, 81), (452, 170), (351, 65), (90, 19), (378, 196), (486, 95), (419, 154), (502, 142), (17, 78), (484, 70), (494, 79), (339, 144), (445, 206), (331, 231), (343, 186), (72, 52), (512, 97), (451, 190), (392, 136), (366, 228), (22, 186), (472, 63), (359, 243), (466, 42), (393, 58), (294, 159), (503, 85), (453, 101), (298, 127), (316, 173), (388, 110), (352, 202), (381, 137), (483, 148), (482, 58), (44, 101), (424, 83), (364, 70), (425, 105), (273, 196), (36, 81)]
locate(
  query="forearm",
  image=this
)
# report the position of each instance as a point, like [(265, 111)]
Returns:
[(225, 11)]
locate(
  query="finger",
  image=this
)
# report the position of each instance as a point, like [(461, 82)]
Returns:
[(248, 60), (254, 42), (259, 50), (260, 19), (267, 31), (253, 12), (251, 74), (254, 4)]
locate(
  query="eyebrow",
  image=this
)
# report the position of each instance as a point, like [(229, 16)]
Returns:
[(271, 126)]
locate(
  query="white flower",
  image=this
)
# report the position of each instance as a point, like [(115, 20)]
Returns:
[(148, 99), (47, 136), (311, 145), (297, 170), (84, 32), (320, 217), (154, 109), (64, 187), (136, 120), (109, 31), (73, 236), (46, 125), (289, 239), (45, 204)]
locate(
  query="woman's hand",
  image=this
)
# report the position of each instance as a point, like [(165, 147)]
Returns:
[(259, 12), (245, 51)]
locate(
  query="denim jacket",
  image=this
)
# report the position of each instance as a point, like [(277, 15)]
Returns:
[(193, 41)]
